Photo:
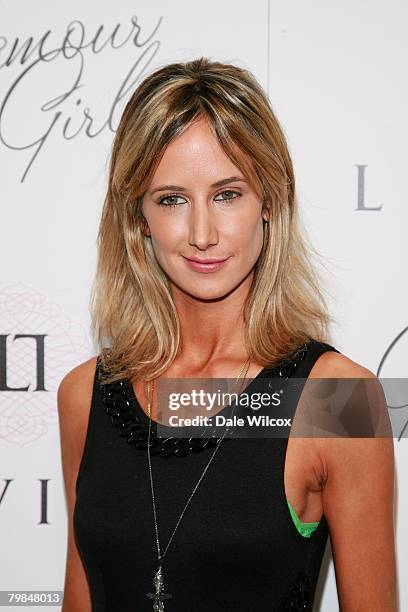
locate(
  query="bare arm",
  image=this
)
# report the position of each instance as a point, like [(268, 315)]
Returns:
[(74, 400), (358, 502)]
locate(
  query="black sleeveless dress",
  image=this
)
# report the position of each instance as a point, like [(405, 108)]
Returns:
[(236, 548)]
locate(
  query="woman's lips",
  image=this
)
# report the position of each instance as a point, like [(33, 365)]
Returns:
[(202, 266)]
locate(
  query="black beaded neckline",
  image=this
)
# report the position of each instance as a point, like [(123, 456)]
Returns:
[(120, 401)]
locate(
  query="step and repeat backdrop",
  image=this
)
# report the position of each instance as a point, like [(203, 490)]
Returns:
[(335, 73)]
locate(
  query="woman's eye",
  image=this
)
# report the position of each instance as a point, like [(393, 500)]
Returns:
[(171, 200), (228, 192)]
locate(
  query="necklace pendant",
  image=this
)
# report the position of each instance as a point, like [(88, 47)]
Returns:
[(159, 595)]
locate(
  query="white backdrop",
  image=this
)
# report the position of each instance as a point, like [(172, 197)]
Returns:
[(336, 76)]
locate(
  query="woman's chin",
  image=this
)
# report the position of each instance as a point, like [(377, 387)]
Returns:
[(205, 293)]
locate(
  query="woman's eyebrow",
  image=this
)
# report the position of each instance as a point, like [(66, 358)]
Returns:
[(220, 183)]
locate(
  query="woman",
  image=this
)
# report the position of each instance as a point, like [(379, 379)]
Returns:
[(200, 171)]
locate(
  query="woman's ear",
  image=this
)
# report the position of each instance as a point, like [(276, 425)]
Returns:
[(265, 214)]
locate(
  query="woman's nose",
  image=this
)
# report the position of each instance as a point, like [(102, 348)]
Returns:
[(202, 227)]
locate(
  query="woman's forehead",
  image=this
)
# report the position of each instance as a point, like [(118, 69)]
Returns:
[(196, 155)]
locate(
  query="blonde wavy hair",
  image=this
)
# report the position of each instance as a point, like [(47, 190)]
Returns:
[(133, 317)]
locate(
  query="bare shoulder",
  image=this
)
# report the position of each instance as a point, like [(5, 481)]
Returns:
[(336, 365), (367, 400), (76, 386)]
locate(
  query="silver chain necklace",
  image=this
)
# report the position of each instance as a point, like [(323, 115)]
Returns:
[(159, 596)]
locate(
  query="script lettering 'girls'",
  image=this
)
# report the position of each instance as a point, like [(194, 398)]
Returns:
[(56, 105)]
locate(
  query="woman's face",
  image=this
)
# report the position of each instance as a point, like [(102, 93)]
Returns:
[(199, 206)]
